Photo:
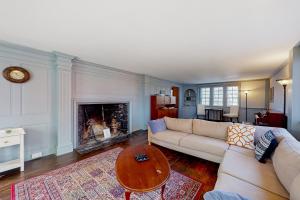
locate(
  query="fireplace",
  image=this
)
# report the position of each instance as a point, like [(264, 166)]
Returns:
[(101, 124)]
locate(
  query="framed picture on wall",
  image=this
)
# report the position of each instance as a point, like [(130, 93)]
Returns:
[(271, 95)]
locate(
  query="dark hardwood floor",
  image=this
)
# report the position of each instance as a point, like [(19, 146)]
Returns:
[(198, 169)]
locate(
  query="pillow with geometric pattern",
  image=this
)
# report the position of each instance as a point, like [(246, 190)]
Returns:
[(241, 135), (265, 146)]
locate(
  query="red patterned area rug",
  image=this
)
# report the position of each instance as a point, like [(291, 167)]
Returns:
[(94, 178)]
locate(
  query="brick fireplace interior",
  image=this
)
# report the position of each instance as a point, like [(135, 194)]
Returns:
[(101, 123)]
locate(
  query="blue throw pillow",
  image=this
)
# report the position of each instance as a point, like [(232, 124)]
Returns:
[(157, 125), (265, 146), (221, 195)]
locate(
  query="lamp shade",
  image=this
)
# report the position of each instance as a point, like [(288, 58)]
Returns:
[(283, 81)]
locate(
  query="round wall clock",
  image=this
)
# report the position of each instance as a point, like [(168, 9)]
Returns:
[(16, 74)]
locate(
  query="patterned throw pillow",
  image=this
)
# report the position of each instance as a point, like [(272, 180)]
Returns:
[(265, 146), (241, 135)]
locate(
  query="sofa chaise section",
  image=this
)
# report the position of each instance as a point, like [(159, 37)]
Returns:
[(249, 170), (228, 183)]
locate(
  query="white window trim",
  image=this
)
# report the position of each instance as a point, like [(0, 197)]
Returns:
[(232, 98), (209, 96), (220, 97)]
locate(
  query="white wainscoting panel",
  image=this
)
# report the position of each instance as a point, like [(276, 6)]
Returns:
[(30, 104), (35, 93)]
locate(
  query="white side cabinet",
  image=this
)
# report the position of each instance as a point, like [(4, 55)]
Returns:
[(10, 137)]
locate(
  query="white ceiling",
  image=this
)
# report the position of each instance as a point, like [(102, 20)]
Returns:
[(190, 41)]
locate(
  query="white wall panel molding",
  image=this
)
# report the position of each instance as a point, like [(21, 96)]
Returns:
[(92, 81), (63, 63)]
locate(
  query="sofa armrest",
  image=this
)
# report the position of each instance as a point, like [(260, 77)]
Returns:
[(149, 136)]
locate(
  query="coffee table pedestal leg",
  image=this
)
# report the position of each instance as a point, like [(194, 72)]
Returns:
[(162, 191), (127, 195)]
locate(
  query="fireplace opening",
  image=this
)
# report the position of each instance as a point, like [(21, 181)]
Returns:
[(101, 123)]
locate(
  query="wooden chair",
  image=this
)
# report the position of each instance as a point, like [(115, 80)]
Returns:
[(233, 113), (200, 111)]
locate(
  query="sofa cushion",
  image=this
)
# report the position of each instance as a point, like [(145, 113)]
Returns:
[(211, 129), (182, 125), (244, 151), (294, 191), (250, 170), (172, 137), (280, 133), (204, 144), (286, 161), (230, 183)]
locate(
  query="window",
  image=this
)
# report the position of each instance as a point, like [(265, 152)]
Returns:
[(205, 96), (218, 96), (232, 96)]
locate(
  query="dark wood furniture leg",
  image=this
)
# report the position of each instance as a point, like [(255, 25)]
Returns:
[(162, 191), (222, 113), (127, 195)]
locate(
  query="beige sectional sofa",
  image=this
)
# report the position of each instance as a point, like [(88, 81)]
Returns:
[(239, 170)]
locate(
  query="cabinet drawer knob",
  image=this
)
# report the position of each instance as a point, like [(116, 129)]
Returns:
[(5, 142)]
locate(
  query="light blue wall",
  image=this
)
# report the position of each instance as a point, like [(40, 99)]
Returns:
[(291, 70), (295, 93)]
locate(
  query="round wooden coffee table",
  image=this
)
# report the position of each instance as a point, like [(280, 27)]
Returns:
[(143, 176)]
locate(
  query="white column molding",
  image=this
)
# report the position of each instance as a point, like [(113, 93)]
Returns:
[(63, 63)]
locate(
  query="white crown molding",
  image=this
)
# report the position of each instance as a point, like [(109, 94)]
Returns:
[(93, 69), (24, 54), (79, 62)]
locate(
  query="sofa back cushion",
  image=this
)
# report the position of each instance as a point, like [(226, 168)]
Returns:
[(182, 125), (211, 129), (280, 133), (286, 161), (294, 193)]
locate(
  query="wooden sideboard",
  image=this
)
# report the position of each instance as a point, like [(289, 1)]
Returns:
[(162, 106), (271, 119)]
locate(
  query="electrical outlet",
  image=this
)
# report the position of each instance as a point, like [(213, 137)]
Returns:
[(36, 155)]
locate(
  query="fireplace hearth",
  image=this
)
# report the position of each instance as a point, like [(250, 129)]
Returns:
[(100, 125)]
